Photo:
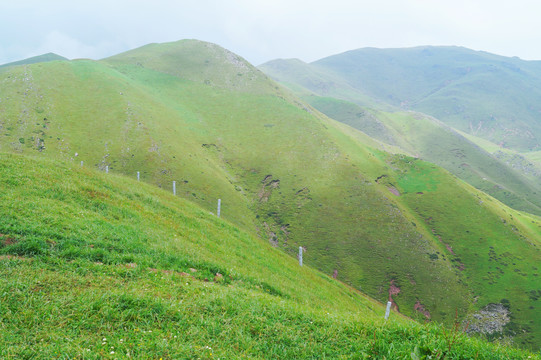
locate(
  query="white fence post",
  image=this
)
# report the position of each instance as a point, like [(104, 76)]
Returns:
[(219, 207), (138, 178), (300, 255), (107, 169), (81, 163), (174, 187), (388, 310)]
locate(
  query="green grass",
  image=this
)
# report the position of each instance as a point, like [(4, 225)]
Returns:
[(490, 255), (441, 145), (335, 87), (99, 266), (509, 180), (490, 96), (482, 94), (284, 173)]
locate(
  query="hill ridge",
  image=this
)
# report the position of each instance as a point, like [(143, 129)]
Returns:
[(35, 59), (328, 191)]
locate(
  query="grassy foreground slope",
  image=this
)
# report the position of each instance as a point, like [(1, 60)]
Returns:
[(194, 113), (273, 163), (99, 266)]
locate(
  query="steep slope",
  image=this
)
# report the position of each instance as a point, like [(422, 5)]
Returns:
[(509, 180), (490, 96), (280, 168), (98, 266), (305, 79)]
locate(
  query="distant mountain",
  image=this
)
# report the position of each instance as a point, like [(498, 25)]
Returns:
[(399, 228), (36, 59), (354, 93), (490, 96)]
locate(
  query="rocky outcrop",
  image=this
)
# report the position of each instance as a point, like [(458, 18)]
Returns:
[(489, 320)]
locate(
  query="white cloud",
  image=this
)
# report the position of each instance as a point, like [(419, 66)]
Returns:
[(260, 30), (64, 45)]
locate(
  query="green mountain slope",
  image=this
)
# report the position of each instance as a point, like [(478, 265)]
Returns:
[(100, 266), (35, 59), (507, 179), (281, 169), (490, 96)]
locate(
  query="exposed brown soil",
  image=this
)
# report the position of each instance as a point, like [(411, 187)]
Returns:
[(420, 308), (7, 240), (393, 290), (266, 190)]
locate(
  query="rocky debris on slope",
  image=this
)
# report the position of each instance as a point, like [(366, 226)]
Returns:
[(489, 320)]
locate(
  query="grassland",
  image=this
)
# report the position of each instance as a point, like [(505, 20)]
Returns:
[(98, 266), (221, 129), (490, 96), (509, 178)]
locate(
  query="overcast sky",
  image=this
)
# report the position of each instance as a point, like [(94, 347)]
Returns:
[(262, 30)]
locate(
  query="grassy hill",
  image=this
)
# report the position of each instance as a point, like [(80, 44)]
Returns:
[(35, 59), (100, 266), (511, 179), (199, 115), (490, 96)]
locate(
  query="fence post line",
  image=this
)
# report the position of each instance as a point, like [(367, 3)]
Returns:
[(300, 255), (388, 310), (219, 207)]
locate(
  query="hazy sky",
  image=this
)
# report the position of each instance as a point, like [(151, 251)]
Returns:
[(262, 30)]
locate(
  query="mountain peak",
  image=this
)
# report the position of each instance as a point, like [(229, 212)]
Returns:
[(197, 61), (36, 59)]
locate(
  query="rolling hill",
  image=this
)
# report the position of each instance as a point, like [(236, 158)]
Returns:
[(490, 96), (192, 112), (511, 179)]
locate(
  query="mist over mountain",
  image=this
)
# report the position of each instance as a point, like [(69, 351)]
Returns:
[(486, 95)]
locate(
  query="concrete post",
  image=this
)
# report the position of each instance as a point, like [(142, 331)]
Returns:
[(388, 310)]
